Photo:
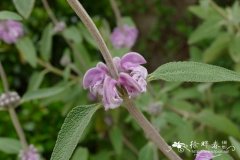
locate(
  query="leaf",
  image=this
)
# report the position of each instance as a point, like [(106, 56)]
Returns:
[(80, 154), (218, 122), (236, 144), (42, 93), (24, 7), (36, 80), (72, 33), (72, 130), (9, 145), (117, 140), (234, 49), (208, 29), (216, 48), (147, 152), (8, 15), (193, 72), (46, 42), (27, 50)]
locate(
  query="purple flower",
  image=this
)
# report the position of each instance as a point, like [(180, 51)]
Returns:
[(124, 36), (29, 154), (10, 31), (132, 76), (204, 155), (111, 99)]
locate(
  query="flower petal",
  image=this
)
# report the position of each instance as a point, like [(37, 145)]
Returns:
[(92, 77), (111, 99), (132, 59), (131, 85)]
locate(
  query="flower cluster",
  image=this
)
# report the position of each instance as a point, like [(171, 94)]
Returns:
[(10, 31), (132, 76), (9, 99), (29, 154), (124, 36), (204, 155)]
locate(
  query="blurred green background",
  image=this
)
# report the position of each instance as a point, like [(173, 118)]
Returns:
[(169, 30)]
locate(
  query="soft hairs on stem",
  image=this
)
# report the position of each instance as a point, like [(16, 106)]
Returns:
[(80, 11), (138, 116)]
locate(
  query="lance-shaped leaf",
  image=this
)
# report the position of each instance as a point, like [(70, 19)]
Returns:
[(7, 15), (72, 130), (193, 72), (24, 7), (9, 145)]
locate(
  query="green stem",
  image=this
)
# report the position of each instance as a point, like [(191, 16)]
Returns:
[(12, 112), (117, 12)]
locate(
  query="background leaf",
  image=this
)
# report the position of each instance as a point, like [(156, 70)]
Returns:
[(193, 72), (72, 130), (147, 152), (24, 7), (9, 145), (7, 15), (46, 42), (41, 93), (80, 154), (27, 50), (117, 139), (236, 144)]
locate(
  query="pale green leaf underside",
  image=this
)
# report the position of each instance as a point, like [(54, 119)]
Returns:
[(72, 130), (7, 15), (193, 72), (24, 7), (9, 145)]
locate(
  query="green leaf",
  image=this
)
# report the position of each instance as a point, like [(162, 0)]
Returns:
[(72, 33), (236, 144), (42, 93), (36, 80), (24, 7), (46, 42), (27, 50), (216, 48), (147, 152), (117, 140), (72, 130), (208, 29), (193, 72), (218, 122), (5, 15), (9, 145), (234, 49), (80, 154)]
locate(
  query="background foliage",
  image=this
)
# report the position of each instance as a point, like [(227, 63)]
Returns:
[(46, 68)]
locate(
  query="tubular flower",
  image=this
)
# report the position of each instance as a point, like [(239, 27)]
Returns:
[(29, 154), (10, 31), (204, 155), (132, 77), (124, 36)]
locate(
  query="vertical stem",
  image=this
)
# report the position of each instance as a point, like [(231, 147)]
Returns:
[(12, 112), (18, 127), (117, 12), (49, 12), (80, 11), (138, 116), (150, 131)]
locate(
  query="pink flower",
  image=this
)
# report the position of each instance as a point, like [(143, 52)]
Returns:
[(204, 155), (10, 31), (124, 36), (132, 76), (30, 154)]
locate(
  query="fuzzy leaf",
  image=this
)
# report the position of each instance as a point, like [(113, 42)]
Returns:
[(24, 7), (7, 15), (193, 72), (72, 130), (9, 145)]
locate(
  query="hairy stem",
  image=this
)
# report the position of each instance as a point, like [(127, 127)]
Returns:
[(117, 12), (80, 11), (138, 116), (149, 130), (50, 12), (12, 112)]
